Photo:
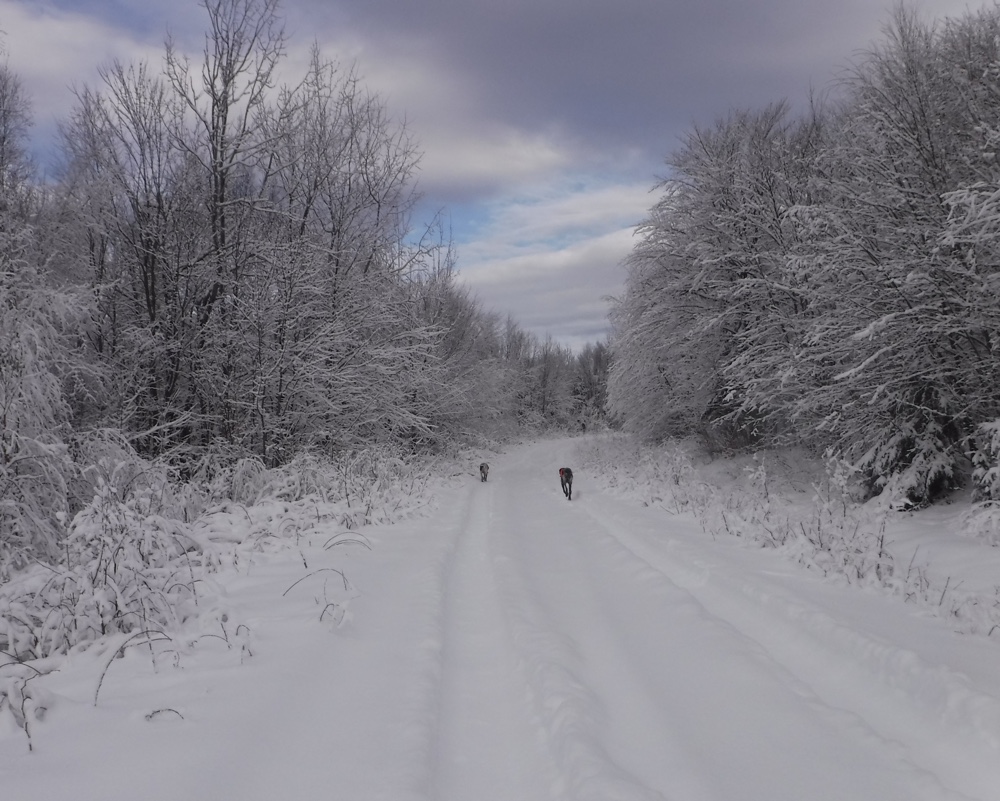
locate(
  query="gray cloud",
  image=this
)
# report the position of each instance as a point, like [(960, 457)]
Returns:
[(543, 123), (616, 75)]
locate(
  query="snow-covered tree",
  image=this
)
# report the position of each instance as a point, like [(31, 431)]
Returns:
[(711, 299), (590, 383), (830, 280), (909, 359), (249, 247), (38, 359)]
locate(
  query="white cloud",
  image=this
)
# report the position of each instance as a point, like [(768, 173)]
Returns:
[(46, 47), (557, 212), (544, 266), (498, 156), (552, 258), (466, 149), (54, 51)]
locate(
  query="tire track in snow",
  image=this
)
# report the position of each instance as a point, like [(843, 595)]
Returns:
[(646, 694), (422, 566), (827, 660), (487, 744), (575, 717)]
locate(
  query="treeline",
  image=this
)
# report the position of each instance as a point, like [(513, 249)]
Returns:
[(227, 267), (831, 278)]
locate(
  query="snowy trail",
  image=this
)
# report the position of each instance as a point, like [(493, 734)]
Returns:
[(488, 745), (884, 670), (518, 647), (669, 698)]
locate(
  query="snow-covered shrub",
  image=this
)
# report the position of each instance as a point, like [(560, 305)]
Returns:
[(842, 536), (307, 475), (136, 557), (126, 568), (986, 462), (354, 489), (35, 466), (654, 476), (104, 453), (913, 462), (33, 499), (834, 533), (247, 480), (377, 483), (46, 484), (983, 519), (735, 497)]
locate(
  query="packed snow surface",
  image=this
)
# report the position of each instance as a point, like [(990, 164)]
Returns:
[(516, 646)]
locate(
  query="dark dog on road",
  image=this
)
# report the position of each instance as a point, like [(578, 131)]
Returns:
[(484, 470), (566, 479)]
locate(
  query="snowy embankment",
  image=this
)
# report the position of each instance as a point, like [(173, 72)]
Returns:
[(510, 645), (939, 559)]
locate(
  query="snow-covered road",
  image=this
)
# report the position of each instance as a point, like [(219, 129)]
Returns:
[(515, 646)]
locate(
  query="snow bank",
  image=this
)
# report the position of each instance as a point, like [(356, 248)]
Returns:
[(789, 501)]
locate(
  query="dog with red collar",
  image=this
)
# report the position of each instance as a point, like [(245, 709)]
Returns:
[(566, 479)]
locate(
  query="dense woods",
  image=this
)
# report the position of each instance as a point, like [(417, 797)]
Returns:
[(830, 279), (228, 268)]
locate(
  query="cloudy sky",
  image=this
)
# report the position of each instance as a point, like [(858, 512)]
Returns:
[(544, 124)]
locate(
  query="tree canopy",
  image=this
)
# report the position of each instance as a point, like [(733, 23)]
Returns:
[(830, 278)]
